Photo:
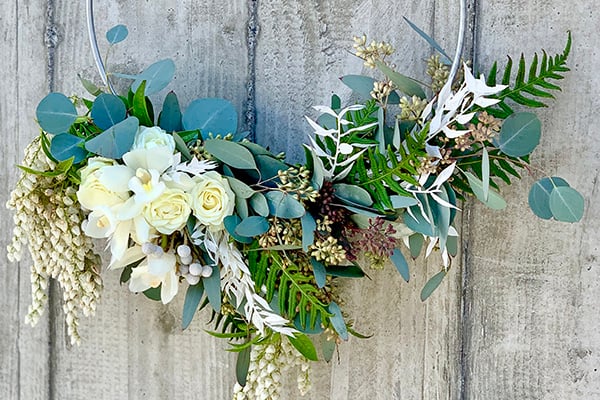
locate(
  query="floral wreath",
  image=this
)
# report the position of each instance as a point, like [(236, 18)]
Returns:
[(185, 200)]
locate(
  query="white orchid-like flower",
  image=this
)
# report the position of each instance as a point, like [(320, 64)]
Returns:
[(158, 269)]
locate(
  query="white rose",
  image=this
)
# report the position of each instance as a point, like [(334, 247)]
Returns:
[(93, 193), (169, 212), (212, 200), (148, 138)]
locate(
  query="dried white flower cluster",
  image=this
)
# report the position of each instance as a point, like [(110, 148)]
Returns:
[(48, 220), (267, 364)]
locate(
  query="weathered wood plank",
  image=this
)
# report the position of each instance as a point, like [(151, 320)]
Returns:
[(24, 369), (303, 48), (532, 286)]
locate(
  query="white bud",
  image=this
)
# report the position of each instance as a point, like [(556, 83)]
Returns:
[(207, 271), (184, 250), (192, 279), (196, 269)]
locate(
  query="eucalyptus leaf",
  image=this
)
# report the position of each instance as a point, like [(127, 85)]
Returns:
[(269, 166), (258, 202), (352, 193), (539, 195), (432, 284), (64, 146), (415, 243), (327, 347), (108, 110), (304, 346), (230, 153), (190, 306), (403, 201), (345, 271), (170, 116), (182, 147), (117, 34), (211, 116), (241, 206), (231, 222), (115, 141), (401, 264), (56, 113), (157, 77), (494, 200), (309, 225), (89, 86), (284, 205), (445, 58), (252, 226), (520, 134), (406, 85), (212, 286), (319, 272), (485, 173), (363, 85), (240, 188), (337, 320), (567, 204), (452, 245)]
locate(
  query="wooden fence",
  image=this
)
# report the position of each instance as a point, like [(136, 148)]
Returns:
[(517, 317)]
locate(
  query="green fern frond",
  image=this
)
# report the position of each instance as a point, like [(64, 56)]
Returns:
[(531, 85)]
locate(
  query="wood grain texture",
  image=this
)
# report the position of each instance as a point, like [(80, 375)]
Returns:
[(24, 351), (532, 290)]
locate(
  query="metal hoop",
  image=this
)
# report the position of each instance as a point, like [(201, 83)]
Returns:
[(103, 75)]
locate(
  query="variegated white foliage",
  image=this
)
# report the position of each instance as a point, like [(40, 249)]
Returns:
[(237, 283), (338, 164)]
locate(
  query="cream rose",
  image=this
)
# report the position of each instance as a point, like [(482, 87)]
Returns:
[(93, 193), (148, 138), (212, 200), (169, 212)]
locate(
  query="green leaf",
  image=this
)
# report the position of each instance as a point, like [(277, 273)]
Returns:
[(242, 365), (415, 243), (406, 85), (328, 347), (231, 222), (212, 286), (305, 326), (89, 86), (520, 134), (230, 153), (182, 147), (309, 225), (190, 306), (319, 272), (337, 320), (494, 200), (240, 188), (485, 173), (445, 58), (56, 113), (211, 116), (153, 293), (567, 204), (170, 116), (157, 77), (353, 194), (452, 245), (284, 205), (108, 110), (304, 345), (64, 146), (539, 195), (117, 34), (259, 204), (401, 264), (140, 106), (252, 226), (363, 85), (115, 141), (432, 284), (403, 201), (269, 166)]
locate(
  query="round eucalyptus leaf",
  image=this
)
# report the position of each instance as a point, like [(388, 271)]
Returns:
[(65, 146), (567, 204), (108, 110), (212, 115), (115, 141), (353, 194), (157, 77), (56, 113), (520, 134), (539, 195), (284, 205), (117, 34)]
